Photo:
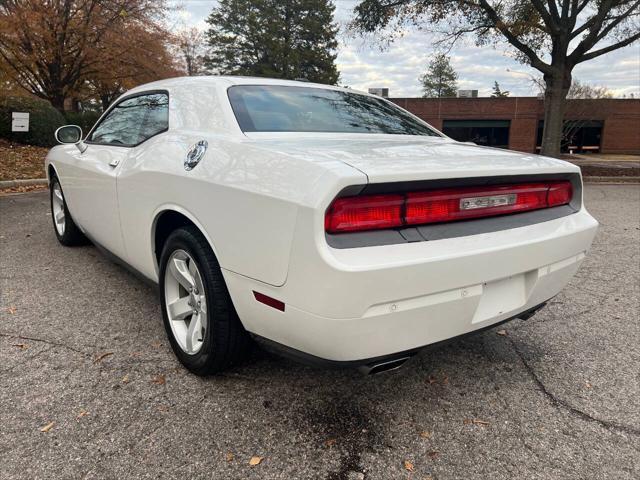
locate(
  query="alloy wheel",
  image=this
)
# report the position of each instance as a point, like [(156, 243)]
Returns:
[(57, 202), (186, 301)]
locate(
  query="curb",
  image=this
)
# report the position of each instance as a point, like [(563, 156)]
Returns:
[(23, 183), (595, 179)]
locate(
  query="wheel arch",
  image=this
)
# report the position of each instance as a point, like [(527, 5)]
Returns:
[(51, 172), (166, 220)]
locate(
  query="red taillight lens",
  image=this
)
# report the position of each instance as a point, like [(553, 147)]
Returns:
[(374, 212), (458, 204), (369, 212), (560, 193)]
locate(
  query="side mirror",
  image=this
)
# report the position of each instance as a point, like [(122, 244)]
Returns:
[(71, 134)]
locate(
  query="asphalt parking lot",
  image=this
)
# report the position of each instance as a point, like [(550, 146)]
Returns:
[(82, 345)]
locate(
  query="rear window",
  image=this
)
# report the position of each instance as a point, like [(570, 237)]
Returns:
[(276, 108)]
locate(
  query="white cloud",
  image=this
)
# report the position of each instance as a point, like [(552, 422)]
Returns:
[(363, 64)]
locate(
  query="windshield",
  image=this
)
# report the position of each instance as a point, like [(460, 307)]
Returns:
[(277, 108)]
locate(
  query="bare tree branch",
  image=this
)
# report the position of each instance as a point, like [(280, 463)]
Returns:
[(610, 48), (547, 18), (535, 61), (553, 8)]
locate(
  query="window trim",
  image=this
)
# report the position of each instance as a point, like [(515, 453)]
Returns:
[(112, 107), (433, 130)]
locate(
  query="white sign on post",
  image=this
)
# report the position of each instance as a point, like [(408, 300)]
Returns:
[(19, 121)]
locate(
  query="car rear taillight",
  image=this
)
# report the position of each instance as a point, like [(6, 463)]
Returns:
[(369, 212), (560, 193), (457, 204), (375, 212)]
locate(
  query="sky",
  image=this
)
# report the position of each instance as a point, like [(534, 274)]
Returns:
[(364, 64)]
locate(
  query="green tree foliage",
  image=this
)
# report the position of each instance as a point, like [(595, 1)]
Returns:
[(497, 93), (85, 119), (273, 38), (552, 36), (440, 80), (43, 120)]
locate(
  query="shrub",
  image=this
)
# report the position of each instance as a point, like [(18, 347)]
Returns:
[(43, 120), (85, 120)]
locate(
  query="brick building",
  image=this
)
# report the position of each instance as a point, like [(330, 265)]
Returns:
[(603, 125)]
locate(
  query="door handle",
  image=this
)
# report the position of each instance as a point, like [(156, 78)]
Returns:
[(114, 163)]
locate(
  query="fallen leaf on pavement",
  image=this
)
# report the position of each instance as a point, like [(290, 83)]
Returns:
[(255, 461), (11, 309), (443, 380), (47, 427), (408, 466), (229, 456), (433, 454), (480, 422), (502, 332), (125, 379), (426, 434), (83, 413), (102, 356), (21, 346), (159, 380)]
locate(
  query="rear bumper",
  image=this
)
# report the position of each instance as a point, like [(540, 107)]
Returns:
[(314, 361), (352, 305)]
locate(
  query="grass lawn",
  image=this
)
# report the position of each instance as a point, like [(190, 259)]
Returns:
[(19, 161)]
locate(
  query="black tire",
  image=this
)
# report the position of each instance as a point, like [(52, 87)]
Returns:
[(71, 235), (225, 342)]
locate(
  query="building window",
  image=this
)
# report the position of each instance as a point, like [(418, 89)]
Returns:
[(492, 133), (577, 135)]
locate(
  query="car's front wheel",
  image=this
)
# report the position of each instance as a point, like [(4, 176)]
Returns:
[(66, 230), (201, 322)]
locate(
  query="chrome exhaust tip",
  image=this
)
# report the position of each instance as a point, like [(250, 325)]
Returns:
[(385, 366)]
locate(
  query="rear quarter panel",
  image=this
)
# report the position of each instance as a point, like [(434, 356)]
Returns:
[(245, 200)]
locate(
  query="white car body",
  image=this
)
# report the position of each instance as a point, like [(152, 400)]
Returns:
[(260, 201)]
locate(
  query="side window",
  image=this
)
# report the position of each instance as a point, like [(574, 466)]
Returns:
[(133, 121)]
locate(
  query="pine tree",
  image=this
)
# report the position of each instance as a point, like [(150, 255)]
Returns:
[(497, 93), (273, 38), (440, 79)]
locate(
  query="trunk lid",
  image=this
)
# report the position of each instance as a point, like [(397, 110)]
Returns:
[(396, 158)]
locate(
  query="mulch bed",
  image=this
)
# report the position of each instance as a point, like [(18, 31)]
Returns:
[(23, 189), (606, 171), (19, 161)]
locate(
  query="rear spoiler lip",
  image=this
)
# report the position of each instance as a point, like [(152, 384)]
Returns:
[(419, 185)]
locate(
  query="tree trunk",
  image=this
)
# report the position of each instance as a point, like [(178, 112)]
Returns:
[(105, 100), (57, 100), (555, 94)]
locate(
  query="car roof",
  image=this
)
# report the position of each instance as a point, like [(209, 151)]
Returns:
[(230, 80)]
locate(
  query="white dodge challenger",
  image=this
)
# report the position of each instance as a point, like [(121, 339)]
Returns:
[(327, 224)]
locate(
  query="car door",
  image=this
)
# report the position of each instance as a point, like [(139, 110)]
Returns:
[(93, 188)]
